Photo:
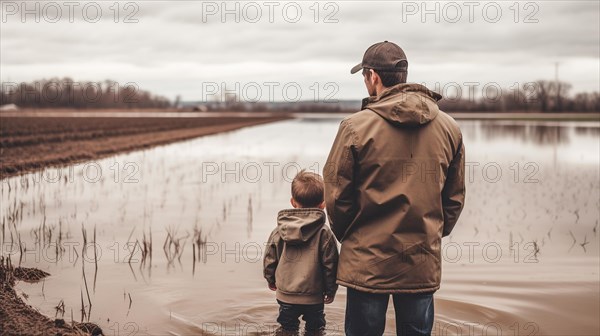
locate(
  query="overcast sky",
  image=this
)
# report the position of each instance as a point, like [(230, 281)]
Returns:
[(189, 48)]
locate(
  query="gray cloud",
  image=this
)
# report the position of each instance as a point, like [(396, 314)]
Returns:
[(171, 50)]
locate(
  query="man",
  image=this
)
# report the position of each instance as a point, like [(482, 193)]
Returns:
[(394, 186)]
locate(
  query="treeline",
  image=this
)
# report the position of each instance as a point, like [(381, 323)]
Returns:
[(291, 107), (66, 93), (538, 96)]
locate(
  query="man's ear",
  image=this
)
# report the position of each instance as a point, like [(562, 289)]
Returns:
[(294, 204), (322, 205), (369, 75), (375, 79)]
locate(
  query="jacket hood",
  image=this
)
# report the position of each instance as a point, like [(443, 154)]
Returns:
[(408, 105), (297, 226)]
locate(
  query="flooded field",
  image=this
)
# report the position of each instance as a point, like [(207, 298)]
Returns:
[(169, 240)]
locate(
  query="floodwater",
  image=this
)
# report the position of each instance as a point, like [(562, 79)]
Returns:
[(522, 260)]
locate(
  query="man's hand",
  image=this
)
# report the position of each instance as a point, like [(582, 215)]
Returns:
[(328, 299), (272, 287)]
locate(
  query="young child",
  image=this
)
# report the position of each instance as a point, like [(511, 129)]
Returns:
[(300, 261)]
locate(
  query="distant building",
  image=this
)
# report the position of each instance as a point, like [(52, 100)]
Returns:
[(200, 108), (9, 107)]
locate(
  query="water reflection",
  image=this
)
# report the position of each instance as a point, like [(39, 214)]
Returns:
[(541, 135), (587, 131)]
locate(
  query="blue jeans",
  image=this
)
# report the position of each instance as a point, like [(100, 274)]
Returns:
[(313, 314), (365, 313)]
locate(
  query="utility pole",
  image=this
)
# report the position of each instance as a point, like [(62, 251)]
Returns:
[(558, 104), (556, 133)]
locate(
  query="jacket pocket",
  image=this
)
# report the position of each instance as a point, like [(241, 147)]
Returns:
[(411, 267)]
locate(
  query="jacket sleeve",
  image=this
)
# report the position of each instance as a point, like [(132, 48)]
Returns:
[(270, 259), (453, 193), (339, 175), (329, 260)]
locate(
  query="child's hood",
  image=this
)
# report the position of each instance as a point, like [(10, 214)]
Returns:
[(297, 226)]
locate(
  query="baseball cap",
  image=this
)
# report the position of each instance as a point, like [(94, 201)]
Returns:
[(384, 56)]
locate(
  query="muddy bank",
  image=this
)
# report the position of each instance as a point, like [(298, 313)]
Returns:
[(29, 144), (18, 318)]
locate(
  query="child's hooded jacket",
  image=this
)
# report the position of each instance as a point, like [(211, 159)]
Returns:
[(301, 257)]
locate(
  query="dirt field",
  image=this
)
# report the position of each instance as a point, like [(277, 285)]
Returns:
[(33, 143)]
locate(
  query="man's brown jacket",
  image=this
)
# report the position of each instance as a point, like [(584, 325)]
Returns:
[(394, 186)]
